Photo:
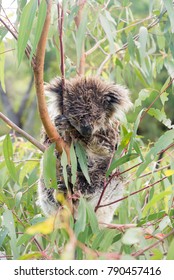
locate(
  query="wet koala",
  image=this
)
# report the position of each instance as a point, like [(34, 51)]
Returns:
[(87, 111)]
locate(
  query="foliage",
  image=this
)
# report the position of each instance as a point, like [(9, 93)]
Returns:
[(127, 45)]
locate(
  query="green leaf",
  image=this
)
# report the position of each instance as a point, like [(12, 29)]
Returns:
[(168, 79), (154, 200), (132, 236), (121, 161), (81, 218), (163, 142), (26, 22), (34, 256), (23, 239), (160, 116), (143, 35), (2, 63), (170, 11), (92, 219), (164, 223), (107, 27), (81, 154), (73, 164), (8, 155), (107, 240), (138, 150), (40, 22), (143, 95), (3, 234), (131, 46), (157, 254), (49, 167), (8, 222), (170, 254), (80, 35), (135, 131), (164, 97), (26, 168), (64, 163)]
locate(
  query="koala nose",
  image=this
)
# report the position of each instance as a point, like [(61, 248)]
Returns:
[(86, 130)]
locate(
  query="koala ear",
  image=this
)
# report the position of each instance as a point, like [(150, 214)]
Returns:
[(54, 92), (116, 100)]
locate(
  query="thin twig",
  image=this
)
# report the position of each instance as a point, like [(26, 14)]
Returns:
[(133, 193), (142, 251)]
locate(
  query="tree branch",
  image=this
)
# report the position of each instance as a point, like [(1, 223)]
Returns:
[(39, 84), (23, 133)]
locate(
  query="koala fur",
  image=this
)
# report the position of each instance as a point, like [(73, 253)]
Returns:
[(87, 111)]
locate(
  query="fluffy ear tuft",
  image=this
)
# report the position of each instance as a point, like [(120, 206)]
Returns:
[(54, 93), (117, 100)]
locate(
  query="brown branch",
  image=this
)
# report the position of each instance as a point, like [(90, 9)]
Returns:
[(133, 193), (161, 92), (39, 84), (141, 252), (23, 133), (78, 18)]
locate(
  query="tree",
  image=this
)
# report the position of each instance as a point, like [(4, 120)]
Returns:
[(117, 41)]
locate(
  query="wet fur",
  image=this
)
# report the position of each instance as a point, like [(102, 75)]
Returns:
[(87, 111)]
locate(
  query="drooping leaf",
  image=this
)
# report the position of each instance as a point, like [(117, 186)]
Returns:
[(143, 35), (92, 219), (135, 131), (26, 22), (80, 35), (170, 11), (8, 222), (3, 234), (81, 218), (73, 164), (8, 155), (49, 167), (40, 22), (163, 142), (81, 154), (107, 27)]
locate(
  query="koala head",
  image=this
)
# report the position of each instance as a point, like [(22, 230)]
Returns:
[(89, 103)]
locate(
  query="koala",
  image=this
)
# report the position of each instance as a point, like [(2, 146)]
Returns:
[(87, 111)]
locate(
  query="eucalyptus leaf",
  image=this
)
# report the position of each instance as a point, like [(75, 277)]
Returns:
[(26, 23)]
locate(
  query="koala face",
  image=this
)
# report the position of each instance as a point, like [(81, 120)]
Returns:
[(90, 103)]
